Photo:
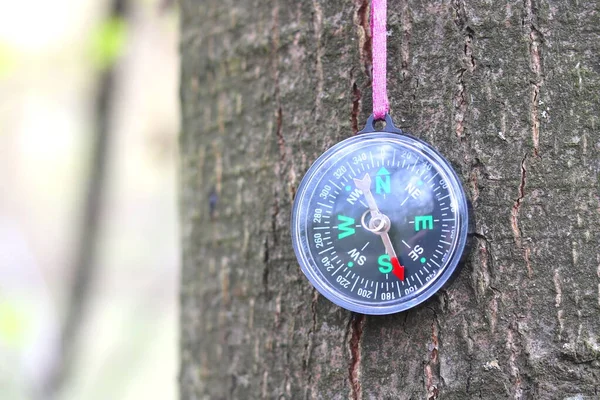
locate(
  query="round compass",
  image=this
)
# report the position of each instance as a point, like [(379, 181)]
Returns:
[(379, 222)]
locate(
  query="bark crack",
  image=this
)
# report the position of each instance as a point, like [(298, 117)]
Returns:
[(535, 39), (355, 330), (309, 341), (482, 272), (460, 100), (365, 47), (356, 98), (516, 228), (275, 44), (512, 362), (279, 134), (265, 275), (517, 204), (318, 21), (406, 36), (432, 369), (460, 103)]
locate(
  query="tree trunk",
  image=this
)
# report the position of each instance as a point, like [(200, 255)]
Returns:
[(508, 92)]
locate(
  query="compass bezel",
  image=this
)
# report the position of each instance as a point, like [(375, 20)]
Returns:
[(301, 208)]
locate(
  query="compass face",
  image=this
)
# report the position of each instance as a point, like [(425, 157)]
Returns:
[(379, 223)]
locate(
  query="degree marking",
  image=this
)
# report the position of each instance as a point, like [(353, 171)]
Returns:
[(330, 181), (324, 205), (351, 169), (352, 290), (430, 179), (420, 281), (406, 244), (323, 251), (435, 263), (335, 272), (442, 198), (441, 241)]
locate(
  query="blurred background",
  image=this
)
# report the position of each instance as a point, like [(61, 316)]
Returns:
[(88, 216)]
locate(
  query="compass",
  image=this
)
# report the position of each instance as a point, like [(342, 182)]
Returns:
[(379, 223)]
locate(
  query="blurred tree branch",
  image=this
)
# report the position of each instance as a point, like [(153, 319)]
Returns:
[(85, 259)]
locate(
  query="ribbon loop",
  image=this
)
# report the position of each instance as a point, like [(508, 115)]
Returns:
[(381, 103)]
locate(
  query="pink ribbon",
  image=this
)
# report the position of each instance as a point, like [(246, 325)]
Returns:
[(381, 104)]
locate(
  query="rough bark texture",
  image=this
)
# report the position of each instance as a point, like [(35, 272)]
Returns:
[(508, 91)]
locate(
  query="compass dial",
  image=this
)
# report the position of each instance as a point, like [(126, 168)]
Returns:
[(379, 223)]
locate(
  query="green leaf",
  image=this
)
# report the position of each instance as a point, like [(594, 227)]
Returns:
[(7, 60), (108, 42), (12, 324)]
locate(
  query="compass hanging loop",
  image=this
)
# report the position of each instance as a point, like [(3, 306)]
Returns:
[(389, 125)]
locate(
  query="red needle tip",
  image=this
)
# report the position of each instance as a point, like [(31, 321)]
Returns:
[(397, 270)]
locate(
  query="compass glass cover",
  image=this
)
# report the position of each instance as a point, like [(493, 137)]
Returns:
[(410, 197)]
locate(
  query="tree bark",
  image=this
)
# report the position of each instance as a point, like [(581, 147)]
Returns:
[(508, 92)]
